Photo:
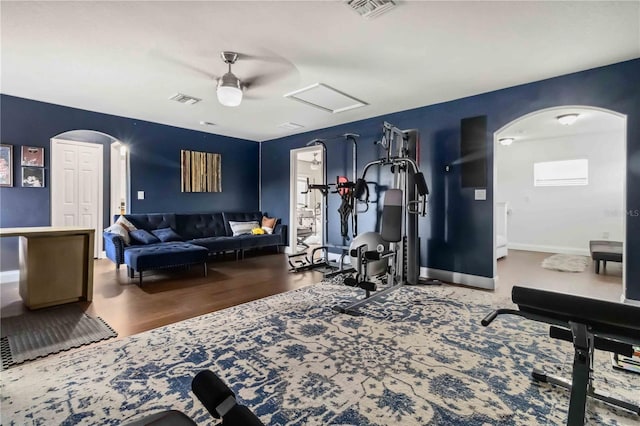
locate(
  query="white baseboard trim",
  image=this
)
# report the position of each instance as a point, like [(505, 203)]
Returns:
[(459, 278), (633, 302), (9, 276), (287, 250), (549, 249)]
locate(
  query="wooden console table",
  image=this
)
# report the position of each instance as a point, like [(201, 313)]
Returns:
[(56, 264)]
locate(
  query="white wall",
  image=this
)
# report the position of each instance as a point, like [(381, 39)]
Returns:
[(563, 219)]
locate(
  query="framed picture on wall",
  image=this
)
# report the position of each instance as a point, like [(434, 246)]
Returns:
[(6, 165), (33, 177), (32, 156)]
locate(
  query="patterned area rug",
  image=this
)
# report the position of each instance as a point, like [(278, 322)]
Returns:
[(566, 263), (420, 357)]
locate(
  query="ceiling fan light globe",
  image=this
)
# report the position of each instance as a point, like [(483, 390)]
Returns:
[(229, 90), (229, 96)]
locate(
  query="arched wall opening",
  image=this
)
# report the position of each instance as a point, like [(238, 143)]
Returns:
[(537, 207), (89, 172)]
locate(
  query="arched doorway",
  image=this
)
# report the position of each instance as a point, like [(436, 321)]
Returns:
[(557, 187), (81, 181)]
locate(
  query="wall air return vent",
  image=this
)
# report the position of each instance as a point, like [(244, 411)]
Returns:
[(325, 98), (370, 8), (184, 99)]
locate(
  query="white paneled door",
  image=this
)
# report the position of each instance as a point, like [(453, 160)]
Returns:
[(76, 186)]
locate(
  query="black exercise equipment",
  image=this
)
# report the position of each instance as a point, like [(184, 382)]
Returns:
[(404, 202), (587, 323), (217, 398), (318, 259), (220, 401), (390, 233)]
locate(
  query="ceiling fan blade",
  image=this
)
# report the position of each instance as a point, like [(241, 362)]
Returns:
[(184, 65), (264, 79), (252, 97), (262, 58)]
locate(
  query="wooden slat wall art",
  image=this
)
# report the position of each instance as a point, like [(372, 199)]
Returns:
[(200, 171)]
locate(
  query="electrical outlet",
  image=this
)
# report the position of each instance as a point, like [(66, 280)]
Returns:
[(140, 195), (480, 194), (605, 235)]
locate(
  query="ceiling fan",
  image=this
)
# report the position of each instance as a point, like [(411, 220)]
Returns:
[(229, 88)]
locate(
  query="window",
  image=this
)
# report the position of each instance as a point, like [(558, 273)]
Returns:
[(561, 173)]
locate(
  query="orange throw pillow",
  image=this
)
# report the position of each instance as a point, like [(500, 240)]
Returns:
[(268, 224)]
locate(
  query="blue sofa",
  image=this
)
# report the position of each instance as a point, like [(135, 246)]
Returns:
[(202, 234)]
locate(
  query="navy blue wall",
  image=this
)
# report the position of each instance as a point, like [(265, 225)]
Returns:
[(154, 160), (458, 233)]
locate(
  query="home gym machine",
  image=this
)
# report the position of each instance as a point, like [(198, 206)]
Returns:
[(318, 259), (395, 250)]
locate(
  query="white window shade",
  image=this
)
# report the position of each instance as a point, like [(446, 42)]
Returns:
[(561, 173)]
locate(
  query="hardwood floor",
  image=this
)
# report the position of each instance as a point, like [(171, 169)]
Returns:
[(171, 296), (523, 268), (168, 297)]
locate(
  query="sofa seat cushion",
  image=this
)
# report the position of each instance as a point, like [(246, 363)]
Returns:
[(255, 241), (215, 244), (164, 255)]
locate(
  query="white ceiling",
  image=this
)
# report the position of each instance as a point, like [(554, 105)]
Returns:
[(308, 155), (127, 58), (544, 124)]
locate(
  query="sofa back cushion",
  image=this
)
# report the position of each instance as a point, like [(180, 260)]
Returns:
[(151, 221), (240, 217), (191, 226)]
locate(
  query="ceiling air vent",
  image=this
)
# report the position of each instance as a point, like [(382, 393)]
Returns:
[(370, 8), (184, 99), (290, 126), (325, 98)]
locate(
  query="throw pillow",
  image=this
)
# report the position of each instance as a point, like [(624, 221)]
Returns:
[(257, 231), (122, 227), (142, 236), (166, 235), (268, 224), (241, 228)]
